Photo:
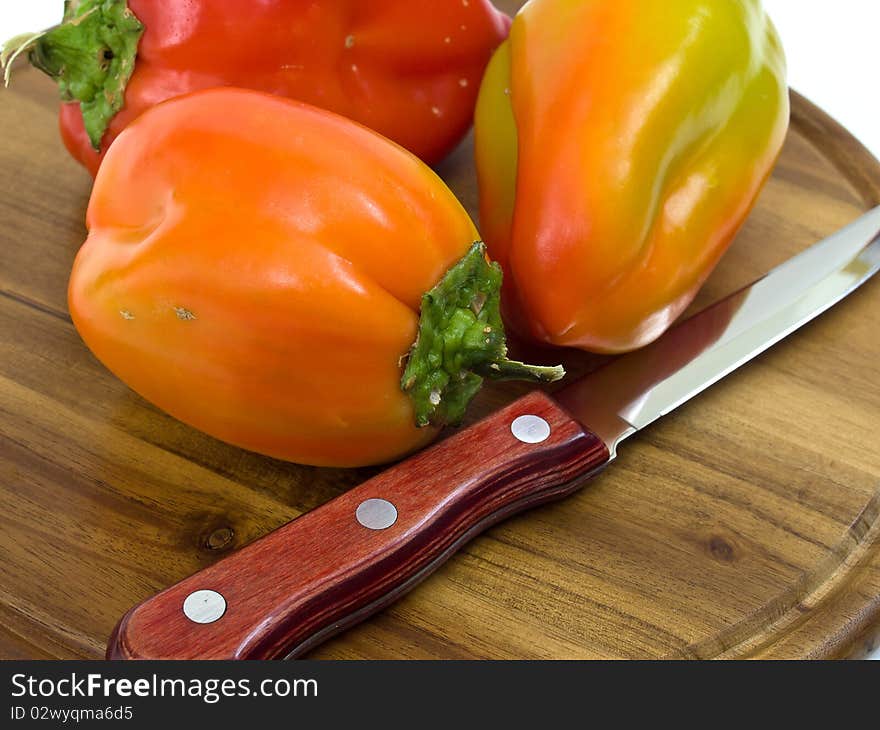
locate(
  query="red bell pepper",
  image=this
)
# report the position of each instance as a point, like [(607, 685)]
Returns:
[(408, 69)]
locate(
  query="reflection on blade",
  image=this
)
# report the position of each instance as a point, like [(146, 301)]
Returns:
[(635, 389)]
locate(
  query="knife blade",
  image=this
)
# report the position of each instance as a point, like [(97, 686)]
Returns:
[(334, 566)]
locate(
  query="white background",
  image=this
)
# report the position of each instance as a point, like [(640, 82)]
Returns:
[(830, 46)]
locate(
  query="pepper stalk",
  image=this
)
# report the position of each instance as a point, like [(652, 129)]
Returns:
[(91, 54), (461, 341)]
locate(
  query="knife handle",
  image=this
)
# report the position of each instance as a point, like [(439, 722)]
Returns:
[(334, 566)]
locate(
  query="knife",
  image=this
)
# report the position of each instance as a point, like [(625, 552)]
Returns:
[(334, 566)]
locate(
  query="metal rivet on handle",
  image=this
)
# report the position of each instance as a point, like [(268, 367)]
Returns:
[(376, 514), (204, 607), (530, 429)]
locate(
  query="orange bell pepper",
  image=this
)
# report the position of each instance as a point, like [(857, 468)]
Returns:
[(619, 147), (260, 269), (409, 70)]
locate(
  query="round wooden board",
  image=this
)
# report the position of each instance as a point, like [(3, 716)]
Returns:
[(744, 524)]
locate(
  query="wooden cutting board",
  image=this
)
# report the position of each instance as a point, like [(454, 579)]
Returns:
[(747, 523)]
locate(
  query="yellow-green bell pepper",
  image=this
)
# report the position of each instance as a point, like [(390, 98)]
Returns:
[(619, 147)]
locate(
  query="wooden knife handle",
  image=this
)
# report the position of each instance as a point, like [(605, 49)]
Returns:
[(325, 570)]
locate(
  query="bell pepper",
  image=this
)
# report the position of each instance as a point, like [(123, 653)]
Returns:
[(619, 148), (409, 70), (287, 281)]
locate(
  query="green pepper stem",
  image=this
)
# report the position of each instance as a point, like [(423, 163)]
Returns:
[(514, 370), (13, 48), (91, 54), (461, 341)]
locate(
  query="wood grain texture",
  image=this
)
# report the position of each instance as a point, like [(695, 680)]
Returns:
[(743, 524), (343, 572)]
